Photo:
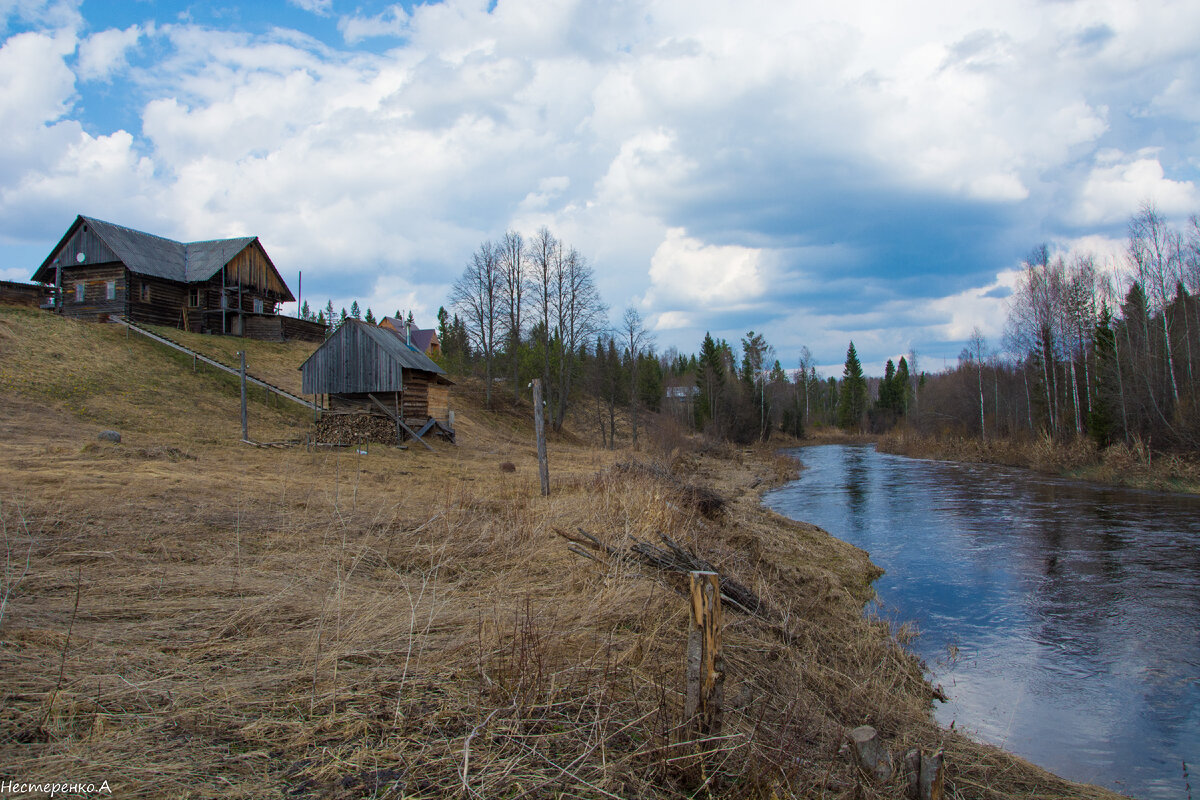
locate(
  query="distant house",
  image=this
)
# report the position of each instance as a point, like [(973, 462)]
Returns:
[(685, 392), (366, 369), (424, 339), (100, 270), (34, 295)]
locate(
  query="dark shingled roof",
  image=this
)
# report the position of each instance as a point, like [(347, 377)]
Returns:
[(147, 254)]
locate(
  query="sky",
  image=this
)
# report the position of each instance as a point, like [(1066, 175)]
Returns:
[(816, 172)]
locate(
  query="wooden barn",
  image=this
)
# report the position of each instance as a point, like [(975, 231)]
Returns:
[(366, 370), (100, 270)]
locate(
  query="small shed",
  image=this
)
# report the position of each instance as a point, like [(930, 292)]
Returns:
[(366, 370)]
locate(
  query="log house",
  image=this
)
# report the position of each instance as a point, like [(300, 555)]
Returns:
[(226, 286)]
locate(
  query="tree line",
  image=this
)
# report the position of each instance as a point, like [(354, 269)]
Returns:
[(1109, 352), (527, 307)]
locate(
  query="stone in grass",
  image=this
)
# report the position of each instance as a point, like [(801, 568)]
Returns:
[(109, 436)]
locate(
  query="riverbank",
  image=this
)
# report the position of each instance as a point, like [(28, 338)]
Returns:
[(1117, 465), (188, 616)]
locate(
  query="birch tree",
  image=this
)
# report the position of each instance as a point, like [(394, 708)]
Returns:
[(477, 296)]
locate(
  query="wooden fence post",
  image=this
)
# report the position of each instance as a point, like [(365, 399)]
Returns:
[(539, 424), (245, 427), (705, 664)]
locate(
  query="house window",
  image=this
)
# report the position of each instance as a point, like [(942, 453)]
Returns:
[(194, 297), (144, 292), (79, 290), (110, 290), (258, 306)]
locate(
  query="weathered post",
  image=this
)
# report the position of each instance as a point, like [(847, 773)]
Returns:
[(539, 424), (705, 664), (245, 429)]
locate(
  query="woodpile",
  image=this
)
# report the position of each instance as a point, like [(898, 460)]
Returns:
[(355, 428)]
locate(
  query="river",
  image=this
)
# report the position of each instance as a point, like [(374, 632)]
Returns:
[(1061, 618)]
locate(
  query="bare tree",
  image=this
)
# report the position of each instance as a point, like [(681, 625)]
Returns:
[(977, 352), (513, 280), (579, 314), (477, 296), (545, 261), (805, 365), (1154, 253), (636, 337)]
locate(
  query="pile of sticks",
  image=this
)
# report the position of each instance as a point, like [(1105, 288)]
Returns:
[(671, 558)]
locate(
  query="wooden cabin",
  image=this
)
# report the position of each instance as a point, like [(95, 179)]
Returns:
[(368, 370), (226, 286), (424, 339), (33, 295)]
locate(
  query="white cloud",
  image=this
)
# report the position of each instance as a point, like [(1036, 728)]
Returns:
[(103, 53), (979, 307), (321, 8), (686, 271), (1117, 185), (392, 21), (644, 134)]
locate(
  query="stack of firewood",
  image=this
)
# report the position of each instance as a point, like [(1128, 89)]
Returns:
[(355, 428)]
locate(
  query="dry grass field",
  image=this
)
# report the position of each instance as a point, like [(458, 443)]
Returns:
[(188, 616)]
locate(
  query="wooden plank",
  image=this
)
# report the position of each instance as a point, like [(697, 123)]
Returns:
[(245, 434), (705, 663), (212, 363), (400, 422)]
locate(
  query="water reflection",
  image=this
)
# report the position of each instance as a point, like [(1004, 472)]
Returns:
[(1074, 609)]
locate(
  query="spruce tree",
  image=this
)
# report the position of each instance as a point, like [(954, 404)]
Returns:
[(902, 387), (852, 399), (370, 317), (355, 311)]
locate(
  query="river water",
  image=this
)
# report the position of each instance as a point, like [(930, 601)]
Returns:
[(1061, 618)]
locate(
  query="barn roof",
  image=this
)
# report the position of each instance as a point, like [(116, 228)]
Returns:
[(407, 354), (360, 357), (146, 254)]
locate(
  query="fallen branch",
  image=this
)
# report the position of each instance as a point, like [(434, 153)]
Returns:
[(673, 558)]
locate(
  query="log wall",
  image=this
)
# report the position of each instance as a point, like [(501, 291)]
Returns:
[(23, 294), (165, 304), (95, 304)]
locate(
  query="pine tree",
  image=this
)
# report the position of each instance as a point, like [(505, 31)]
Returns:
[(902, 387), (305, 311), (370, 317), (852, 401), (710, 378)]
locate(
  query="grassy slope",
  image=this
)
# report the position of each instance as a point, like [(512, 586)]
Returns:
[(258, 623)]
